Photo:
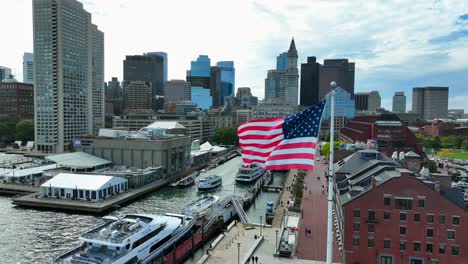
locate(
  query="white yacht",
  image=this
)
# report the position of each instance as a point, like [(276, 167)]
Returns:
[(125, 239), (249, 174), (209, 183), (200, 205)]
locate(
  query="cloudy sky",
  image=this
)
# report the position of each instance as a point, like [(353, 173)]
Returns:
[(396, 44)]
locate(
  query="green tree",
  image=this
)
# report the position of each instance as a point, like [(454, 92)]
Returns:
[(432, 166), (226, 136), (436, 144), (25, 130), (7, 132), (326, 148), (464, 144)]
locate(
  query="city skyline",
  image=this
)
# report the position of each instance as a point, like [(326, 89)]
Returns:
[(433, 34)]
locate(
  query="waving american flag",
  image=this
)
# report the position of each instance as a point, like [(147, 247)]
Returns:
[(282, 143)]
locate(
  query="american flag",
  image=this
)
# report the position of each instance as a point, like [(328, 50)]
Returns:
[(282, 143)]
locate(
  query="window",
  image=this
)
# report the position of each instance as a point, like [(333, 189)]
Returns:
[(442, 249), (386, 259), (430, 218), (355, 241), (429, 248), (434, 261), (371, 215), (387, 201), (403, 204), (370, 228), (403, 216), (370, 242), (402, 245), (455, 250), (402, 230), (93, 195), (417, 217), (421, 203), (357, 213), (455, 220), (386, 243), (417, 246), (450, 234), (429, 232), (356, 227), (387, 215), (441, 219)]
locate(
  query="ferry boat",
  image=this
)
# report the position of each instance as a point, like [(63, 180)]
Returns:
[(209, 183), (131, 238), (249, 174), (200, 205)]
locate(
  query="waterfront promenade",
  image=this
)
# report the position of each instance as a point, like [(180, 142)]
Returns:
[(285, 195), (314, 206)]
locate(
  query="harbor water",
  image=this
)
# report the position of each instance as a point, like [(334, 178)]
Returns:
[(32, 236)]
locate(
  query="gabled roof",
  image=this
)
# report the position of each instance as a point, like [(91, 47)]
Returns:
[(412, 154), (77, 160), (82, 181), (165, 125)]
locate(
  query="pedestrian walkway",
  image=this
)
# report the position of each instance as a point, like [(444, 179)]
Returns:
[(284, 197), (314, 217)]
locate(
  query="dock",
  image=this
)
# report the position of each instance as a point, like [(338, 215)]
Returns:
[(16, 189), (32, 200)]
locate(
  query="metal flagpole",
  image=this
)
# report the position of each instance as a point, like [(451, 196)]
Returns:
[(330, 177)]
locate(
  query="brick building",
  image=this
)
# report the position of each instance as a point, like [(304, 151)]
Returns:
[(441, 128), (386, 215), (391, 134), (16, 101)]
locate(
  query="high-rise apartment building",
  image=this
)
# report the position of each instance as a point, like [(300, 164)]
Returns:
[(368, 102), (430, 102), (282, 61), (4, 73), (284, 83), (137, 96), (399, 102), (228, 78), (340, 71), (165, 62), (146, 68), (310, 82), (272, 84), (215, 86), (176, 91), (28, 70), (68, 61), (16, 101)]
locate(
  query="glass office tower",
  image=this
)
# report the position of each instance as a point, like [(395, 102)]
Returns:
[(228, 78)]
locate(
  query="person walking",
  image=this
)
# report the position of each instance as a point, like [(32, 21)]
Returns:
[(253, 259), (256, 259)]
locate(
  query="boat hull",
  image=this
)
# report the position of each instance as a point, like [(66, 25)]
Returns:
[(204, 189), (249, 181)]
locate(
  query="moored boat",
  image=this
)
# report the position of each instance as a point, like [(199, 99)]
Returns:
[(249, 173), (209, 183), (131, 238), (200, 205)]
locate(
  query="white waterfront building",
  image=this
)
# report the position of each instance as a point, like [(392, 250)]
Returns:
[(83, 186)]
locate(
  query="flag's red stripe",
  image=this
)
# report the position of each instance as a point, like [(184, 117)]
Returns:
[(256, 145), (263, 120), (297, 145), (259, 128), (292, 156), (290, 166), (248, 161), (260, 136), (255, 153)]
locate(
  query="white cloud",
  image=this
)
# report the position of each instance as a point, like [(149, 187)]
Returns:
[(389, 40)]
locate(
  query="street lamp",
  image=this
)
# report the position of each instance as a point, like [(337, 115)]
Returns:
[(238, 253), (276, 241), (261, 225)]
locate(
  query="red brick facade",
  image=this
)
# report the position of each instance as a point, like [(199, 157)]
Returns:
[(390, 232)]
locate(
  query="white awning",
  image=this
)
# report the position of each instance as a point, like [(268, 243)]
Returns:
[(82, 181)]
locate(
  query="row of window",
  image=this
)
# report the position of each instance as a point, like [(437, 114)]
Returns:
[(454, 249), (403, 230), (403, 217)]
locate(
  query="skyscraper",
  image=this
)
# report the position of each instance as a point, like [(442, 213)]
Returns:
[(430, 102), (284, 83), (215, 86), (368, 101), (176, 90), (201, 66), (28, 67), (228, 78), (137, 96), (199, 78), (4, 73), (165, 62), (289, 80), (68, 61), (114, 90), (282, 61), (338, 70), (146, 68), (399, 102), (310, 82)]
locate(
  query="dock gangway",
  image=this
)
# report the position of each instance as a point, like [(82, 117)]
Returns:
[(240, 210)]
